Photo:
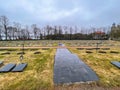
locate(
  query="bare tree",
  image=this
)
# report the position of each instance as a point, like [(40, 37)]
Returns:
[(27, 33), (9, 32), (0, 32), (60, 32), (17, 29), (12, 32), (65, 28), (71, 31), (38, 33), (35, 30), (4, 21), (55, 30), (48, 30)]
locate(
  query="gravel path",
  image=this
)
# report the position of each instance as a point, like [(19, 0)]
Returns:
[(51, 47)]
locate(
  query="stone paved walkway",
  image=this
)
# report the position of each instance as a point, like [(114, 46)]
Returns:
[(69, 68)]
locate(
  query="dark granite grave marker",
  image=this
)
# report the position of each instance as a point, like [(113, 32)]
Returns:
[(116, 63), (114, 52), (80, 48), (5, 53), (89, 52), (20, 67), (1, 63), (102, 52), (19, 53), (7, 67), (105, 48), (37, 52)]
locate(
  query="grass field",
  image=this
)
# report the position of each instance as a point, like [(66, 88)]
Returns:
[(39, 73), (35, 43), (100, 62)]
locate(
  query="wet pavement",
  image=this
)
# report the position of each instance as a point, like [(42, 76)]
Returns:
[(69, 68)]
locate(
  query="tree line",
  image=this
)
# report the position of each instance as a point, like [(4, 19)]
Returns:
[(17, 32), (115, 32)]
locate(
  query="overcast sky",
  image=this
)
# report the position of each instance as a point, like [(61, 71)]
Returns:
[(62, 12)]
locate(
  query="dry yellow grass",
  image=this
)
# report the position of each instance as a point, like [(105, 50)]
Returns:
[(37, 75), (109, 75)]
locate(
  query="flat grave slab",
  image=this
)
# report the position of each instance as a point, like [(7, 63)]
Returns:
[(37, 52), (19, 53), (115, 52), (20, 67), (105, 48), (102, 52), (1, 62), (7, 67), (69, 68), (5, 53), (80, 48), (89, 52), (116, 63)]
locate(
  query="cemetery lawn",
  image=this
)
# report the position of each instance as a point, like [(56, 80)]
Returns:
[(39, 73), (37, 76), (100, 62)]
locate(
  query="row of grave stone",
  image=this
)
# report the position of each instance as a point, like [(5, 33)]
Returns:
[(7, 53), (37, 52), (115, 63), (27, 43), (12, 67), (93, 48), (114, 52), (50, 43), (34, 49)]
